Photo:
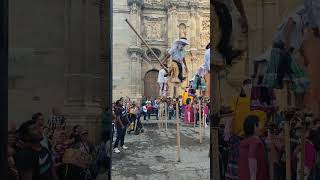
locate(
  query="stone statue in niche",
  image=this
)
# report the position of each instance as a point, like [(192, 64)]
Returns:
[(182, 30)]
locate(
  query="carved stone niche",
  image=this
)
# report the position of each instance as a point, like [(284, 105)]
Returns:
[(150, 56)]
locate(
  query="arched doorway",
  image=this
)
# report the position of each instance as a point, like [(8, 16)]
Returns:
[(151, 86)]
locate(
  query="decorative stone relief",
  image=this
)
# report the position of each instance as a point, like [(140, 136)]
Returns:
[(154, 28), (205, 31)]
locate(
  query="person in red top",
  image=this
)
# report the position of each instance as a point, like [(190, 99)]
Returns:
[(252, 160), (149, 110)]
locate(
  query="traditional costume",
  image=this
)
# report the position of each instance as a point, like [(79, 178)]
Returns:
[(262, 98), (162, 80), (176, 63), (283, 65)]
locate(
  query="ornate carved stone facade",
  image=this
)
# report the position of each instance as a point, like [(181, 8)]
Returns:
[(162, 22)]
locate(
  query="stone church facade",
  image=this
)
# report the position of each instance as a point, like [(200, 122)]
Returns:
[(159, 22)]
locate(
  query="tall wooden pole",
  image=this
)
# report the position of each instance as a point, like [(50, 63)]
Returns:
[(287, 149), (200, 121), (303, 141), (166, 114), (178, 131), (194, 116), (145, 43)]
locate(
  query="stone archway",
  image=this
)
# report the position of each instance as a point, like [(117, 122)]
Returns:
[(151, 87)]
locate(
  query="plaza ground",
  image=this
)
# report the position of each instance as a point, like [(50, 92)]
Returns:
[(152, 155)]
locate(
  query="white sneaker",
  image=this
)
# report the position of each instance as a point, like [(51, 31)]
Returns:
[(124, 147), (116, 150)]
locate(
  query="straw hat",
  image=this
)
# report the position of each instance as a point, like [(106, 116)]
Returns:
[(182, 41)]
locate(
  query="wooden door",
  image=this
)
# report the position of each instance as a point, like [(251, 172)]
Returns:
[(151, 86)]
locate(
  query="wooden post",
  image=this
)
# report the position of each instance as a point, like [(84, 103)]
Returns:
[(287, 149), (166, 114), (200, 121), (178, 131), (301, 173), (194, 116), (161, 115)]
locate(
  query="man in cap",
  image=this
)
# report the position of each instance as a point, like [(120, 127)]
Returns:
[(177, 62)]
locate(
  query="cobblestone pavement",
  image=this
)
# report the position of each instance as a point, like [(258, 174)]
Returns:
[(152, 155)]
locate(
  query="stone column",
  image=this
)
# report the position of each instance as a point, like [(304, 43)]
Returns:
[(83, 75), (135, 54), (193, 14), (134, 49), (172, 21)]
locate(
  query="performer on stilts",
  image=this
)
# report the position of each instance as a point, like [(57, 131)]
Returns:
[(163, 81), (176, 65), (223, 10)]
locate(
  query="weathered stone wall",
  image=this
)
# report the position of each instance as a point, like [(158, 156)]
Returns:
[(37, 57)]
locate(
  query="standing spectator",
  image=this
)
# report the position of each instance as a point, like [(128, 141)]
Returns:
[(34, 162), (75, 135), (38, 117), (150, 109), (56, 121), (309, 155), (144, 111), (121, 125), (252, 159)]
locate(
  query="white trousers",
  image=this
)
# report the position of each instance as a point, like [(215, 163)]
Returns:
[(163, 89)]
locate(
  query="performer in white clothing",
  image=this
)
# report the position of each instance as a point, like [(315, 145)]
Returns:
[(163, 81)]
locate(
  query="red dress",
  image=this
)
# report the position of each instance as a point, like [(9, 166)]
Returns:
[(188, 109), (252, 148)]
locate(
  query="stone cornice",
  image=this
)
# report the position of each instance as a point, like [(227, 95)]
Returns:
[(137, 2), (135, 49)]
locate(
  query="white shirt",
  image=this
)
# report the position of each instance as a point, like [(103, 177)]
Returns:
[(144, 109), (177, 55), (161, 78)]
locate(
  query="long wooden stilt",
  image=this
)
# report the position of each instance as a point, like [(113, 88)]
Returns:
[(178, 131), (200, 122), (194, 116), (166, 114), (301, 173), (287, 149)]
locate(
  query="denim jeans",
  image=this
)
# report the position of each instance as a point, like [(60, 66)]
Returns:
[(121, 132)]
